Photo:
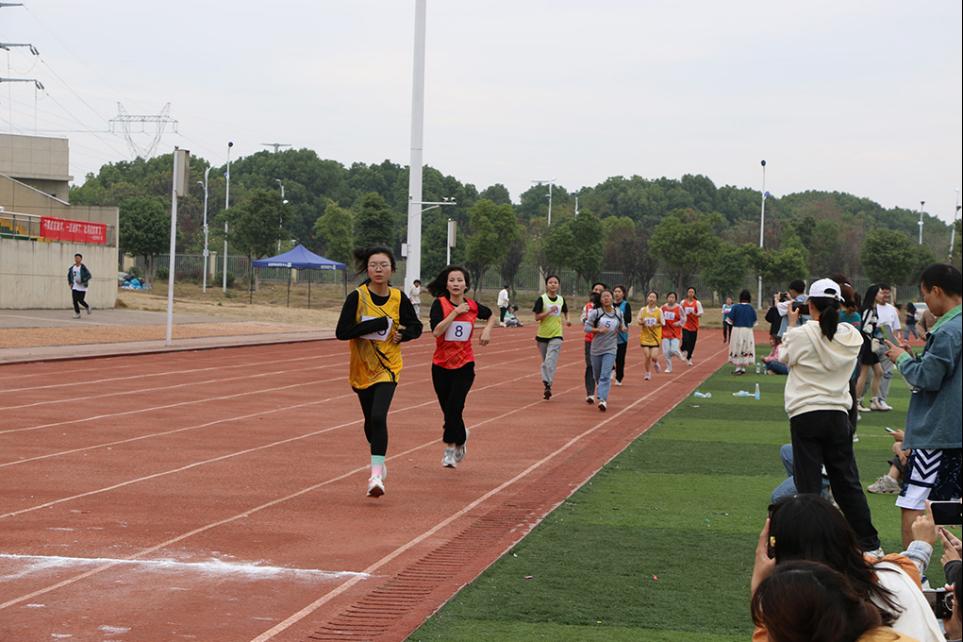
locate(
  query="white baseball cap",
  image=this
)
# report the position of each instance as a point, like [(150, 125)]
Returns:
[(827, 289)]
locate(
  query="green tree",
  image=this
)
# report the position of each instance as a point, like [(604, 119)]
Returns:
[(619, 246), (497, 194), (253, 223), (493, 228), (335, 230), (144, 229), (825, 248), (558, 247), (373, 222), (586, 258), (513, 258), (889, 256), (685, 241), (726, 272)]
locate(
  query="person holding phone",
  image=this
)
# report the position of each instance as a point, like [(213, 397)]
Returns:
[(932, 430), (376, 318), (452, 317)]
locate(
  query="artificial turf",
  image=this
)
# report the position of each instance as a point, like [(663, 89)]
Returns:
[(659, 545)]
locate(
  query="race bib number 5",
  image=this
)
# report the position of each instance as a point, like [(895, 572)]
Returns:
[(458, 331), (381, 335)]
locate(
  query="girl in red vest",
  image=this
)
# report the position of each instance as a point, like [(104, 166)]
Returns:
[(452, 318)]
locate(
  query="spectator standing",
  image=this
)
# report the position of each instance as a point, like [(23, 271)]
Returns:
[(78, 279), (605, 322), (673, 318), (690, 328), (622, 303), (742, 346), (414, 294), (933, 420), (820, 355), (593, 302), (909, 322), (503, 302), (869, 353), (773, 318), (795, 297), (888, 316), (549, 310), (726, 325)]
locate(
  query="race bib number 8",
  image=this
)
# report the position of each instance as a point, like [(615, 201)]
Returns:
[(377, 336), (458, 331)]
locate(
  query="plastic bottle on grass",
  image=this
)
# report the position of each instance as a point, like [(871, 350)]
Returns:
[(742, 393), (702, 395), (757, 395)]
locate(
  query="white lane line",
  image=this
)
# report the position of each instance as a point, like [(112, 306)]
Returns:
[(371, 569), (213, 566), (256, 509), (238, 453), (174, 405)]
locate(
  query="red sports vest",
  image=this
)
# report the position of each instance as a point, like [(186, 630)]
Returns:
[(453, 349)]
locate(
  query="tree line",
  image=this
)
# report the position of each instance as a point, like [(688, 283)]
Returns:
[(633, 226)]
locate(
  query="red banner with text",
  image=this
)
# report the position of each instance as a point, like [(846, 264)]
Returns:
[(61, 229)]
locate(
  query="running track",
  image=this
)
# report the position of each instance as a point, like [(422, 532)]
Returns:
[(219, 495)]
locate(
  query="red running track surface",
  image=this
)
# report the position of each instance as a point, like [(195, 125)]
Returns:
[(219, 495)]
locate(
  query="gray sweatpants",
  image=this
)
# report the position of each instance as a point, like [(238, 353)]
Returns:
[(549, 351)]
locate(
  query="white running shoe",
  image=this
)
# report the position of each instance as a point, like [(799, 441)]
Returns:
[(448, 460), (648, 375), (590, 399), (77, 316), (689, 362), (885, 485), (376, 487), (89, 308), (860, 407), (881, 406), (602, 406), (618, 383), (461, 451)]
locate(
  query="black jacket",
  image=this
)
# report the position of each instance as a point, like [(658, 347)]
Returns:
[(84, 275)]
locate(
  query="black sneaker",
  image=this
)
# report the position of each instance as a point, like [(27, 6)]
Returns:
[(548, 392)]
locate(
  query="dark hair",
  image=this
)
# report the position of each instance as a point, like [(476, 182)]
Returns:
[(846, 290), (604, 287), (745, 297), (694, 292), (798, 285), (869, 299), (828, 314), (673, 293), (947, 277), (652, 292), (78, 254), (439, 285), (808, 527), (620, 287), (417, 282), (776, 339), (883, 286), (803, 601), (552, 276), (362, 255)]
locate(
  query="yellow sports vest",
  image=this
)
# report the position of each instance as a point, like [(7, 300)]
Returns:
[(651, 334), (551, 326), (374, 360)]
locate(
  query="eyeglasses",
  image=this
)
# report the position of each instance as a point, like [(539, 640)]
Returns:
[(379, 266)]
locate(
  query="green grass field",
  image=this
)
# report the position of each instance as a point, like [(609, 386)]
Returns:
[(659, 545)]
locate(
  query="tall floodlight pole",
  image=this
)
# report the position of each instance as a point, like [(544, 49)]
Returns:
[(281, 215), (178, 189), (207, 251), (413, 264), (762, 227), (227, 204), (922, 203), (550, 182)]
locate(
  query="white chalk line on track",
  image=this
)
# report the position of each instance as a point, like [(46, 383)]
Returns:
[(211, 567), (179, 404), (245, 451), (256, 509), (207, 424), (372, 568)]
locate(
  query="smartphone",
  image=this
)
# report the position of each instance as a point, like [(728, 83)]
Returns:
[(889, 430), (950, 512), (939, 602), (887, 333)]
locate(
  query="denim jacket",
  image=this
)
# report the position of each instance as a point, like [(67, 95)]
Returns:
[(933, 420)]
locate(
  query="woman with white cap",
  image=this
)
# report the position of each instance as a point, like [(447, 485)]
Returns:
[(821, 355)]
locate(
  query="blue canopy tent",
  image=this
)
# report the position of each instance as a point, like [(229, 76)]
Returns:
[(301, 258)]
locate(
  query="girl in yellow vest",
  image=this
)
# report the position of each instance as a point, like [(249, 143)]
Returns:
[(376, 318), (550, 310), (650, 318)]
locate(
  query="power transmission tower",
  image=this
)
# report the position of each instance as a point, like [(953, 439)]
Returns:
[(276, 146), (122, 122)]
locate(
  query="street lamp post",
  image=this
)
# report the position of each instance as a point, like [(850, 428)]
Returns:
[(550, 182), (413, 259), (922, 203), (762, 227), (207, 252), (227, 204), (281, 215)]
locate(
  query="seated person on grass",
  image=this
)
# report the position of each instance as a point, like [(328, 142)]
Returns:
[(771, 360)]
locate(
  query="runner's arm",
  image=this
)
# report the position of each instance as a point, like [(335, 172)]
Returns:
[(348, 329), (408, 320)]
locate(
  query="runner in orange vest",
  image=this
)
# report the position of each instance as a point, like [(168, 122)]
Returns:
[(690, 330), (452, 319)]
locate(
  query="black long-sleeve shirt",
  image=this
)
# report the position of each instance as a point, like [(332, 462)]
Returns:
[(348, 329)]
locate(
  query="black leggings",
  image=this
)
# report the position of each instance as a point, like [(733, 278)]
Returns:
[(726, 331), (620, 361), (452, 388), (375, 402), (589, 373), (688, 342), (79, 300)]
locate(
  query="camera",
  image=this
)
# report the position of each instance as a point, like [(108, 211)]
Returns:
[(940, 602), (798, 306)]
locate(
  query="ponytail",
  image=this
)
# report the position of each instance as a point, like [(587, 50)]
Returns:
[(828, 315)]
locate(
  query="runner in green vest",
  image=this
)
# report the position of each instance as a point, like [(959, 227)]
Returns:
[(549, 310)]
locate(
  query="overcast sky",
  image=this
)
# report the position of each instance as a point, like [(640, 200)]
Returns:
[(858, 96)]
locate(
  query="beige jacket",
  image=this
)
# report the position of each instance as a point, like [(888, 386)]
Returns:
[(819, 370)]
